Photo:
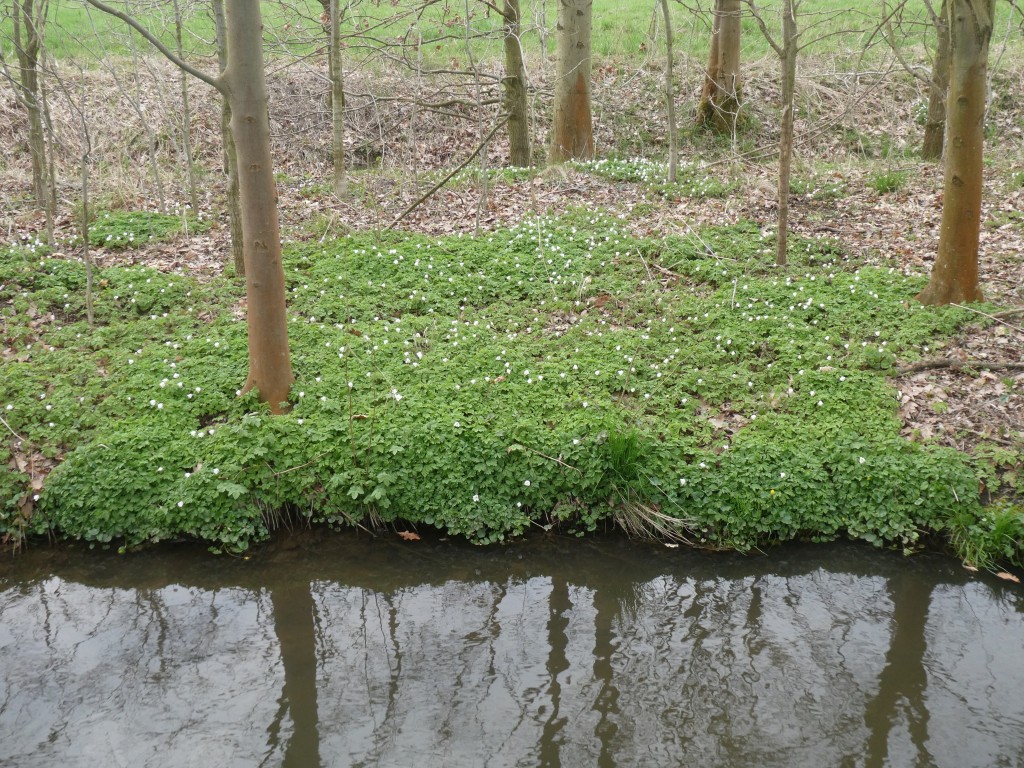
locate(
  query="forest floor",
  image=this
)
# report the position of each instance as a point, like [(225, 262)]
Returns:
[(857, 183)]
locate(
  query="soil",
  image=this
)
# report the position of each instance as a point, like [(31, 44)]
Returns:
[(851, 129)]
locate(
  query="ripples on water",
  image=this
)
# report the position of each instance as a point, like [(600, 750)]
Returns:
[(595, 653)]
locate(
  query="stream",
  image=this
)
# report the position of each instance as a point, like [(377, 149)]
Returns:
[(344, 650)]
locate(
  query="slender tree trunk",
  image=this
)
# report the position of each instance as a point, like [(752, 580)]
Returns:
[(86, 253), (935, 127), (243, 83), (789, 52), (515, 89), (51, 168), (269, 360), (230, 161), (338, 100), (954, 277), (186, 117), (721, 97), (28, 21), (572, 133), (670, 99), (147, 127), (270, 370)]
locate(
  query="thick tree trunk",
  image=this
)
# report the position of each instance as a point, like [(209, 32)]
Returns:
[(954, 277), (720, 99), (515, 90), (789, 52), (935, 127), (230, 161), (270, 370), (572, 133), (670, 99), (337, 75)]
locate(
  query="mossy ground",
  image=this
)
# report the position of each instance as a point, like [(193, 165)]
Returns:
[(556, 373)]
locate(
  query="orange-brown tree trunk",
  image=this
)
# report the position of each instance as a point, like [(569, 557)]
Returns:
[(244, 81), (954, 277), (719, 105), (572, 133)]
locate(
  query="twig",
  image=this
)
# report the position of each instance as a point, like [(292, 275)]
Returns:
[(9, 428), (644, 261), (447, 178), (300, 466), (1009, 312), (986, 314), (956, 365)]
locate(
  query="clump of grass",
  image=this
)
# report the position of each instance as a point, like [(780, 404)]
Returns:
[(887, 182)]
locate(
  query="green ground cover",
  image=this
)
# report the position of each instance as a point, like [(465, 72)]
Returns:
[(559, 373)]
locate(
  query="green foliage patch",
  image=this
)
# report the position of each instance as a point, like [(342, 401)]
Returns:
[(560, 372), (691, 180), (131, 229)]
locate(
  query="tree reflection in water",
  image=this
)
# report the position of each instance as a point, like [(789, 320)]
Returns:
[(567, 654)]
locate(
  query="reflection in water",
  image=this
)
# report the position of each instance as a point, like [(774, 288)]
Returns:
[(294, 626), (903, 682), (546, 653)]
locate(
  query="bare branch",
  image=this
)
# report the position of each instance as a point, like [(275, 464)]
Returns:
[(446, 179), (957, 365), (214, 82)]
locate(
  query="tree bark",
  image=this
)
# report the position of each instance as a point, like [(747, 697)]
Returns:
[(720, 99), (27, 21), (243, 83), (670, 99), (337, 75), (515, 89), (572, 133), (186, 116), (788, 55), (270, 370), (935, 127), (230, 161), (954, 277)]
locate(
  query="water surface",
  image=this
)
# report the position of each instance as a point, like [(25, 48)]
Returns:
[(549, 652)]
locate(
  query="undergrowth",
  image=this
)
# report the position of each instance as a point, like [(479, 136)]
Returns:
[(559, 373)]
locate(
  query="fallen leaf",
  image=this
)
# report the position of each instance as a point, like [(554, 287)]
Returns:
[(409, 535)]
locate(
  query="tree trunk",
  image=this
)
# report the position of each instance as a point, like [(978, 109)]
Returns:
[(337, 76), (270, 370), (670, 99), (789, 51), (27, 21), (230, 161), (243, 83), (719, 106), (954, 277), (515, 89), (572, 134), (186, 117), (935, 127)]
